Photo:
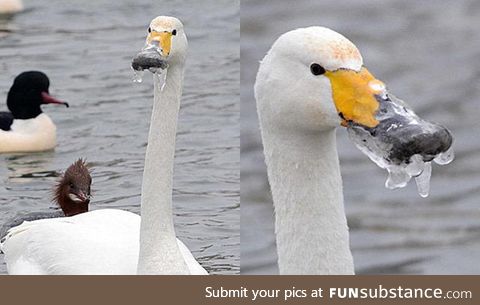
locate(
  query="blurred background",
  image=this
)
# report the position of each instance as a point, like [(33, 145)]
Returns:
[(86, 47), (427, 52)]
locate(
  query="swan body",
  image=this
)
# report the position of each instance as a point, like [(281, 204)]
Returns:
[(106, 242), (115, 241)]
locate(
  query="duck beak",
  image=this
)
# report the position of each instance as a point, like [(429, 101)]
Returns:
[(80, 197), (85, 197), (381, 123), (48, 99)]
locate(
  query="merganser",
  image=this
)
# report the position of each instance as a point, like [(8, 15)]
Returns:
[(26, 128), (72, 192)]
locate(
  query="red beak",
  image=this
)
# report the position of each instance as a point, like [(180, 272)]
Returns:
[(47, 99)]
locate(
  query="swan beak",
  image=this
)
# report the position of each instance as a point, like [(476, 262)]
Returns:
[(164, 40), (149, 58), (354, 94)]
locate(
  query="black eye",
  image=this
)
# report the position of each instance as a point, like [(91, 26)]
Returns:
[(149, 30), (316, 69), (174, 32), (71, 184)]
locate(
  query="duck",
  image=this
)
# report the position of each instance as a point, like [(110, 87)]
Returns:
[(310, 83), (25, 128), (71, 194), (73, 190), (113, 241)]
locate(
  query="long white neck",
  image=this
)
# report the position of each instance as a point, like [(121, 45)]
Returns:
[(311, 227), (159, 253)]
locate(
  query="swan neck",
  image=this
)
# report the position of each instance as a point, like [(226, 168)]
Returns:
[(310, 224), (159, 252)]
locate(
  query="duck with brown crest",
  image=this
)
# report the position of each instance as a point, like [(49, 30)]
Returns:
[(72, 194), (73, 191)]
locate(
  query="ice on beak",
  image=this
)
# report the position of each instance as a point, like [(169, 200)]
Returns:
[(403, 143), (149, 58)]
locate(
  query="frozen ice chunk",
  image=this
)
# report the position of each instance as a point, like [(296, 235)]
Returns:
[(149, 58), (137, 76), (445, 157), (403, 143), (423, 180)]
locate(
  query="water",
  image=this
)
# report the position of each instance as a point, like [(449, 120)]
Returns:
[(425, 52), (86, 49)]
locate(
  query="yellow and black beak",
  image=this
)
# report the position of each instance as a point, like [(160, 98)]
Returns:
[(382, 125), (164, 40), (354, 95)]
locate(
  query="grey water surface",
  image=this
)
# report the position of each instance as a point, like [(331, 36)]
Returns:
[(85, 47), (427, 52)]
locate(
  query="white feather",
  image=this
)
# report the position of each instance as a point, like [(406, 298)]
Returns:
[(98, 242), (37, 134)]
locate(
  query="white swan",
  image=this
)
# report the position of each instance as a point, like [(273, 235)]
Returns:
[(107, 241), (311, 81), (25, 128)]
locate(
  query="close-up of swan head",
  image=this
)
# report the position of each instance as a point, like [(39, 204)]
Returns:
[(166, 43), (315, 79)]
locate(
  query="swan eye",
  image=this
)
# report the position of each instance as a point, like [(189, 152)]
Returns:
[(174, 32), (149, 30), (316, 69)]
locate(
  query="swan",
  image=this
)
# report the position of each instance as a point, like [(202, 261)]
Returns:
[(110, 241), (311, 81), (26, 128)]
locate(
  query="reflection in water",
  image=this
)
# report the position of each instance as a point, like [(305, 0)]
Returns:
[(408, 45), (86, 49)]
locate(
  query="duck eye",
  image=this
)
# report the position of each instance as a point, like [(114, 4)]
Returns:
[(71, 184), (174, 32), (316, 69), (149, 30)]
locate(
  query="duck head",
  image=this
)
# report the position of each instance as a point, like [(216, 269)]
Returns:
[(28, 92), (73, 191)]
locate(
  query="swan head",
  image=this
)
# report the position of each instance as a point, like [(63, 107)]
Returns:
[(165, 44), (314, 79), (29, 91), (73, 191)]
